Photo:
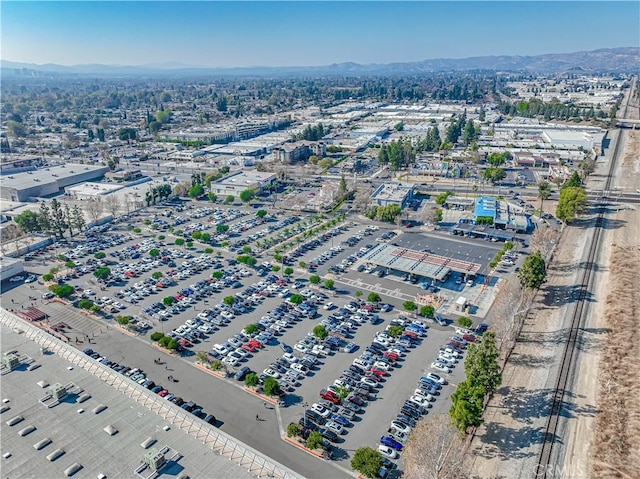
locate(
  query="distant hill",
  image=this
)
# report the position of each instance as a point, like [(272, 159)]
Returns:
[(618, 60)]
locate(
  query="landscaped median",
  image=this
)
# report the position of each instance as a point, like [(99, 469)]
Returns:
[(301, 446), (208, 370)]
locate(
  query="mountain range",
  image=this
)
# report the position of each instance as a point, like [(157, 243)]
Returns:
[(617, 60)]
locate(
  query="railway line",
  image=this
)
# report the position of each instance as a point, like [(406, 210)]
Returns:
[(545, 467)]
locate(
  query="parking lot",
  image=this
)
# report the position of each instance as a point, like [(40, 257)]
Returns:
[(202, 319)]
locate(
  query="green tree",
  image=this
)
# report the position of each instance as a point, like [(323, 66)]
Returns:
[(47, 277), (314, 279), (179, 241), (409, 306), (302, 264), (168, 301), (94, 308), (222, 228), (229, 199), (69, 264), (481, 364), (85, 304), (251, 380), (320, 331), (102, 273), (251, 329), (572, 202), (328, 284), (394, 331), (296, 298), (163, 116), (100, 255), (533, 271), (205, 237), (441, 199), (123, 320), (61, 290), (293, 430), (247, 195), (154, 252), (427, 311), (465, 321), (271, 386), (196, 191), (574, 181), (288, 271), (367, 461), (261, 213), (28, 222), (156, 336), (196, 235), (156, 275), (314, 441), (466, 407), (544, 192), (275, 268), (342, 392), (494, 174), (373, 298), (229, 300)]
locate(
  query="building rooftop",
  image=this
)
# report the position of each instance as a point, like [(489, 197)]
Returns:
[(392, 191), (49, 174), (106, 424), (486, 206), (250, 177)]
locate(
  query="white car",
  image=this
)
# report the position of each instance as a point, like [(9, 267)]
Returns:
[(399, 426), (436, 378), (422, 393), (329, 306), (369, 382), (387, 452), (290, 357), (341, 384), (31, 278), (335, 427), (302, 348), (299, 368), (270, 372), (320, 409), (420, 400), (230, 360), (448, 357), (441, 367), (462, 331), (381, 365)]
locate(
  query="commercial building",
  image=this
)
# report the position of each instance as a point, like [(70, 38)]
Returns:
[(299, 151), (494, 219), (47, 181), (393, 194), (237, 182), (10, 267), (124, 175)]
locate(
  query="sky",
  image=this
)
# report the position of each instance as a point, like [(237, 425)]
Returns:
[(307, 33)]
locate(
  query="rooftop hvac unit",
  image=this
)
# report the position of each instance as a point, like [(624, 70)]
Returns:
[(154, 459), (10, 361), (58, 391)]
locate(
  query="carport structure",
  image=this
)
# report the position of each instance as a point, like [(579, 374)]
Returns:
[(418, 262)]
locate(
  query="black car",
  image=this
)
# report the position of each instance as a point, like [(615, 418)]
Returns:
[(210, 418), (315, 417), (241, 373), (412, 413), (351, 406), (328, 434), (357, 369)]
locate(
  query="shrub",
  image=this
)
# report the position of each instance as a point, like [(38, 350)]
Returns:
[(293, 430), (394, 331), (99, 255), (427, 311), (250, 379), (465, 322), (320, 331), (85, 304), (251, 329), (271, 386), (367, 461), (156, 336), (314, 441)]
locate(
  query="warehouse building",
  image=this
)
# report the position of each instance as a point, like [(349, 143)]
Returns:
[(236, 183), (393, 194), (48, 181)]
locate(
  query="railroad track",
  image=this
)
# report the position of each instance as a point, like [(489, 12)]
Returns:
[(545, 468)]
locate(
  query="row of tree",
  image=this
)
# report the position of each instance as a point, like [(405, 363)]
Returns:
[(52, 219), (573, 199)]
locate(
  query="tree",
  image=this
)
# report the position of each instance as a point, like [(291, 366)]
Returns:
[(112, 204), (572, 202), (465, 321), (154, 252), (574, 181), (94, 308), (481, 364), (251, 380), (189, 244), (494, 174), (544, 192), (102, 273), (342, 392), (271, 386), (441, 199), (498, 159), (427, 311), (61, 290), (296, 298), (168, 301), (302, 264), (94, 208), (314, 440), (434, 450), (229, 300), (466, 407), (293, 430), (314, 279), (229, 199), (394, 331), (123, 320), (85, 304), (69, 264), (196, 191), (222, 228), (288, 271), (409, 306), (77, 218), (367, 461), (251, 329), (275, 268), (320, 331), (28, 222), (247, 195), (328, 284), (434, 215), (156, 336), (533, 271), (261, 213), (373, 298), (179, 242), (58, 222)]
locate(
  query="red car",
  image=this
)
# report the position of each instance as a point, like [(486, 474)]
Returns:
[(163, 393), (329, 396), (391, 355), (410, 334), (469, 338), (184, 343), (249, 348), (372, 376), (178, 296), (456, 344), (378, 372), (254, 343)]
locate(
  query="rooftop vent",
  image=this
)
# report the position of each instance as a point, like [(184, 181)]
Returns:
[(154, 459), (55, 455), (58, 391), (112, 431), (42, 444)]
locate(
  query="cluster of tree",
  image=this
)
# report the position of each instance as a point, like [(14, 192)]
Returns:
[(431, 142), (533, 271), (494, 174), (461, 126), (498, 159), (312, 133), (246, 259), (162, 117), (62, 290), (247, 195), (441, 199), (157, 193), (397, 154), (573, 199), (549, 110), (52, 219), (483, 378), (387, 213), (126, 134)]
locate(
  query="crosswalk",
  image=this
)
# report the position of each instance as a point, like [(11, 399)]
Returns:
[(377, 287)]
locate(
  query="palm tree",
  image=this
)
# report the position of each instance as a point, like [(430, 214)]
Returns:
[(544, 192)]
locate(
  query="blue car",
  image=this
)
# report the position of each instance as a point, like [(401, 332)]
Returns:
[(391, 442), (340, 420), (286, 348)]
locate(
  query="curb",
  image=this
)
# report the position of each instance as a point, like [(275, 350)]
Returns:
[(302, 448), (209, 371), (165, 351), (261, 396), (125, 331)]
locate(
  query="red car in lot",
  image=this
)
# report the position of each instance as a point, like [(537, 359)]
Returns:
[(249, 348), (329, 396), (378, 372), (456, 344), (184, 343), (410, 334), (163, 393), (391, 356), (469, 338), (254, 343)]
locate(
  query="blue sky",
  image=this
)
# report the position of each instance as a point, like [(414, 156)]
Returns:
[(305, 33)]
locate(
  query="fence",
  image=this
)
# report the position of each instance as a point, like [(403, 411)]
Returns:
[(219, 442)]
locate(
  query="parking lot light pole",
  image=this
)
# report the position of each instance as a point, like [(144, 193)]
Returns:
[(305, 405)]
